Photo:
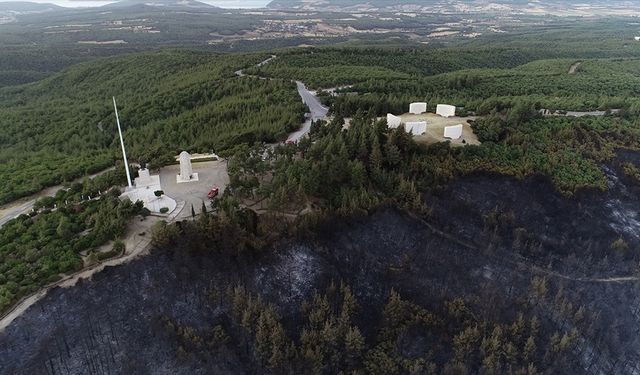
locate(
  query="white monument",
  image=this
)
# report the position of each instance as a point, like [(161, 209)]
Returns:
[(393, 121), (416, 128), (417, 108), (186, 170), (446, 110), (145, 184), (453, 132), (145, 179)]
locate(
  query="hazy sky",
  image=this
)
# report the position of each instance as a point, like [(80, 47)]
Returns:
[(219, 3)]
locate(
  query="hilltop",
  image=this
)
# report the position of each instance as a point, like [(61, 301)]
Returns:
[(25, 6)]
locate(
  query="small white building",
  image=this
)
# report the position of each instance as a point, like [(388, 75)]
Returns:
[(417, 108), (393, 121), (446, 110), (416, 128), (453, 132)]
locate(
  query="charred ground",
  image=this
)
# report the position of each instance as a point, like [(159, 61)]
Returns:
[(495, 254)]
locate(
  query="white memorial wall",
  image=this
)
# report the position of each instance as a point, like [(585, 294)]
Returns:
[(446, 110), (416, 128), (417, 108), (453, 132), (393, 121)]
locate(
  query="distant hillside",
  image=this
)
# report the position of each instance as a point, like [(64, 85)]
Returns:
[(24, 6), (560, 7), (173, 4)]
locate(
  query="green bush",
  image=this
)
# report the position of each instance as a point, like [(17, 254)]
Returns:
[(119, 246)]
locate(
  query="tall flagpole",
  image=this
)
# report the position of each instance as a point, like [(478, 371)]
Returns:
[(124, 153)]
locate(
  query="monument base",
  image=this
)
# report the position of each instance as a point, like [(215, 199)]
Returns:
[(180, 180)]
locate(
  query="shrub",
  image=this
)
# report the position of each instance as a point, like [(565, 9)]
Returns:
[(162, 235), (107, 255), (118, 246), (164, 210), (632, 171), (144, 212), (619, 245)]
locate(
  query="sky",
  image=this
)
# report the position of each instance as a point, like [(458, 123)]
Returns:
[(218, 3)]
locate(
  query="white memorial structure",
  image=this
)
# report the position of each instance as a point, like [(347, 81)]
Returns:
[(453, 132), (417, 108), (186, 170), (145, 184), (416, 128), (445, 110), (393, 121)]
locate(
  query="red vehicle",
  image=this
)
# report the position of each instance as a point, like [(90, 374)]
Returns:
[(213, 192)]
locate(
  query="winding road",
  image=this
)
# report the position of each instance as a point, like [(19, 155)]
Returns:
[(317, 111)]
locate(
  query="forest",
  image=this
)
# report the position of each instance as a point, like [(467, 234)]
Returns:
[(39, 248), (489, 285), (387, 81), (64, 127)]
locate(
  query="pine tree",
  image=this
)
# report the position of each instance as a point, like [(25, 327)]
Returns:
[(353, 346), (64, 229), (529, 351), (262, 337)]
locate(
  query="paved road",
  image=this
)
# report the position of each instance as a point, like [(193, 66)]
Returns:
[(240, 73), (23, 206), (317, 112)]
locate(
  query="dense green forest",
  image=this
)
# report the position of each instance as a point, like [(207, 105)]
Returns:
[(64, 127), (38, 248), (596, 84)]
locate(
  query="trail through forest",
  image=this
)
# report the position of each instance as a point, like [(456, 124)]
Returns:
[(23, 206), (138, 243)]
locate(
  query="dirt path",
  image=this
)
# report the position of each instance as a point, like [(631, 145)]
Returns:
[(137, 241), (23, 206), (574, 67)]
